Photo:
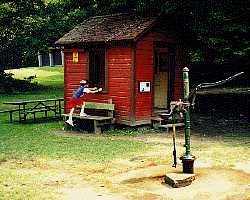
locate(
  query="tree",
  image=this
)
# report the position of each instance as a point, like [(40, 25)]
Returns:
[(216, 30), (219, 28), (19, 22), (29, 26)]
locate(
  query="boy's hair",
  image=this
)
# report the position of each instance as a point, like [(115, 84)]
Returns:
[(84, 82)]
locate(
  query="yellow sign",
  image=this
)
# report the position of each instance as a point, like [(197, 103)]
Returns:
[(75, 57)]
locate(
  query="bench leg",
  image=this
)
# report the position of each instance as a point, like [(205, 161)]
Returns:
[(24, 117), (11, 119), (155, 124), (111, 127), (97, 129)]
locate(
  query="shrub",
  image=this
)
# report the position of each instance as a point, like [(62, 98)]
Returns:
[(9, 85)]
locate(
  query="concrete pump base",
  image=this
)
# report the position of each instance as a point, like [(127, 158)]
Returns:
[(178, 180)]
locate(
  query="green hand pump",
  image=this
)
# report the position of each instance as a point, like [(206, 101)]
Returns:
[(188, 158)]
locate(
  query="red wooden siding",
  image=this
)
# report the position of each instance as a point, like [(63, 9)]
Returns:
[(145, 71), (119, 63), (73, 73), (119, 72)]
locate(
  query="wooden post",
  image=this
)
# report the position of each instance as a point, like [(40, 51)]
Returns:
[(51, 59), (62, 57), (97, 129), (110, 112), (40, 60)]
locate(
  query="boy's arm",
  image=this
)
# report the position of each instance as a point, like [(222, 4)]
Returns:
[(92, 90)]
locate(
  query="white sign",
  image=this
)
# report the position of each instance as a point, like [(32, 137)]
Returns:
[(144, 86)]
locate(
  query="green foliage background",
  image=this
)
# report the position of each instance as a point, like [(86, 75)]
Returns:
[(216, 30)]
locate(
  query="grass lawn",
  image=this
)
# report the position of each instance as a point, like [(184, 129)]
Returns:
[(47, 76)]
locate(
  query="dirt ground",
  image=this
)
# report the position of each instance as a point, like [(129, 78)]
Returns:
[(140, 178), (222, 171)]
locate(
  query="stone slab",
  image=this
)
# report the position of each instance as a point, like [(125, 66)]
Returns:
[(178, 180)]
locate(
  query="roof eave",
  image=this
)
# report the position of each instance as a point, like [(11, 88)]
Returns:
[(146, 30), (91, 43)]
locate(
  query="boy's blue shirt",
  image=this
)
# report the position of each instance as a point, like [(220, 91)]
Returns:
[(78, 92)]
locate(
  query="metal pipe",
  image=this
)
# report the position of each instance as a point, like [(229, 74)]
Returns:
[(187, 158), (187, 112)]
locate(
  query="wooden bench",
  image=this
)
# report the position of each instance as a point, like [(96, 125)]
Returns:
[(99, 114), (10, 113)]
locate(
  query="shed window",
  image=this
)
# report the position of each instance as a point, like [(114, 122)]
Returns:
[(97, 67)]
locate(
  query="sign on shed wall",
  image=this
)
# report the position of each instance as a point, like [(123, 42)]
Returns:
[(75, 56)]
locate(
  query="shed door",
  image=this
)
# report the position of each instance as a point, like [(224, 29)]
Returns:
[(162, 82), (161, 92), (161, 78)]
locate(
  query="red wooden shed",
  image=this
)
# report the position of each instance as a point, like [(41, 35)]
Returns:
[(137, 61)]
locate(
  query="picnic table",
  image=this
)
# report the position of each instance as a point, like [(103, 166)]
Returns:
[(36, 106)]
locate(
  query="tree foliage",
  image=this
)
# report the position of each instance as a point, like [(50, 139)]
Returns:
[(219, 28), (19, 22), (29, 26)]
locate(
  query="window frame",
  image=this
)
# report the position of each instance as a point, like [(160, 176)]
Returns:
[(105, 87)]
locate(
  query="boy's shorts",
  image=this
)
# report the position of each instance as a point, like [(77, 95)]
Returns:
[(73, 103)]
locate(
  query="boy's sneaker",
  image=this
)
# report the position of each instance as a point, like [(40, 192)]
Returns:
[(70, 122), (83, 115)]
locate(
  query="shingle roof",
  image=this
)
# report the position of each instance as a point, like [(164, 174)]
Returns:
[(107, 28)]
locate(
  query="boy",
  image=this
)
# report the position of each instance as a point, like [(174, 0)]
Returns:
[(76, 100)]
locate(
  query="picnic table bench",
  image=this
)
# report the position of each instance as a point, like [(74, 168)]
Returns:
[(99, 114), (34, 106), (10, 113)]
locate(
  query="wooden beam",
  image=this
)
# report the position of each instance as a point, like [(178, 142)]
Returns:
[(100, 106), (132, 85)]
